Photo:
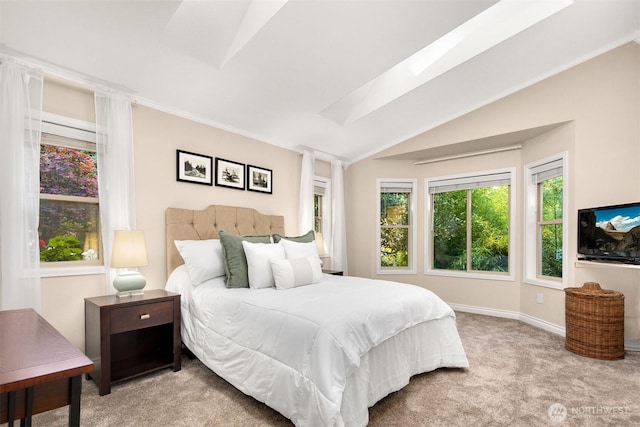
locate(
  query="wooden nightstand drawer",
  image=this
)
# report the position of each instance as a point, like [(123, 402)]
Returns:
[(141, 316), (333, 272)]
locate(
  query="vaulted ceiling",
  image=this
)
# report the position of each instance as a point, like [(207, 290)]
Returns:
[(343, 77)]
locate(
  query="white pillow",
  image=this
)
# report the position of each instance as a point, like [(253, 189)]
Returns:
[(258, 257), (291, 273), (295, 250), (203, 259)]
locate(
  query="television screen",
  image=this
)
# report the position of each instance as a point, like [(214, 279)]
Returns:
[(610, 233)]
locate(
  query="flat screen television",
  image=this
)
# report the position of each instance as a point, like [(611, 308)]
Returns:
[(610, 233)]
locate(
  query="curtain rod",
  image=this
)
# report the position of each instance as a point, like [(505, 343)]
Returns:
[(319, 155), (61, 72), (470, 154)]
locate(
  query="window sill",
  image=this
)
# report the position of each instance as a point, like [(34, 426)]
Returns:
[(71, 271), (465, 275), (397, 272)]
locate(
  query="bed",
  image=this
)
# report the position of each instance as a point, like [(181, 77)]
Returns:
[(321, 354)]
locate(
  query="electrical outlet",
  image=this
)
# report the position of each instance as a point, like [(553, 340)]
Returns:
[(540, 298)]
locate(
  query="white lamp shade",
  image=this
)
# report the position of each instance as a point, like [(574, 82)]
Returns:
[(319, 243), (129, 249)]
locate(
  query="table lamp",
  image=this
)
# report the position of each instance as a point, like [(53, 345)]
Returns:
[(129, 251)]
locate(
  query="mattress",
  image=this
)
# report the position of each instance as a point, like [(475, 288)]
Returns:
[(320, 354)]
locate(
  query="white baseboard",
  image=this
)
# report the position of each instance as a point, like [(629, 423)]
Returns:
[(630, 345), (486, 311)]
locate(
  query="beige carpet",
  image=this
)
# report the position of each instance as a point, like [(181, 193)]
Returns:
[(519, 376)]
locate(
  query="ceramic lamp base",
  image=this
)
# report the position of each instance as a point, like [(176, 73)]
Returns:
[(129, 283)]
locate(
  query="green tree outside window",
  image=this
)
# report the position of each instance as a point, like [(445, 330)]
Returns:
[(394, 229), (68, 204), (550, 227), (471, 229)]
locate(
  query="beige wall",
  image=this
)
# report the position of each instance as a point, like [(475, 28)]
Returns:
[(599, 98), (157, 135), (68, 99), (600, 101)]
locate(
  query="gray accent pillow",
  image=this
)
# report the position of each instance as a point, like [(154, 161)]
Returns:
[(235, 261), (305, 238)]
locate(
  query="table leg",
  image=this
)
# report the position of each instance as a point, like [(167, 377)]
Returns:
[(11, 413), (26, 421), (74, 407)]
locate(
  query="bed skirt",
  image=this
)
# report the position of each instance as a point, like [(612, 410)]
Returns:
[(386, 368)]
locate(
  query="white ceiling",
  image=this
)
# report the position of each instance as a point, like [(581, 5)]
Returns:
[(274, 70)]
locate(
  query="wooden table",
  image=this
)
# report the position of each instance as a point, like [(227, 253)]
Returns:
[(39, 369)]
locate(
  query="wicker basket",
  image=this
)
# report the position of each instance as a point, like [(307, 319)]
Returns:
[(595, 322)]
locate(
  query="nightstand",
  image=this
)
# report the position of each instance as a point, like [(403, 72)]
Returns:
[(132, 336), (333, 272)]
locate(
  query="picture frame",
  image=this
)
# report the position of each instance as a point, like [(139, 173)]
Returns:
[(230, 174), (259, 179), (194, 168)]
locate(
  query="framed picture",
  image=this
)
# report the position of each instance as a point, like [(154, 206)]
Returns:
[(192, 167), (259, 179), (229, 174)]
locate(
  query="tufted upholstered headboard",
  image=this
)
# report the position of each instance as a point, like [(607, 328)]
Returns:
[(187, 224)]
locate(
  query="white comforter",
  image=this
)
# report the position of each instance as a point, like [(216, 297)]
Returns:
[(294, 349)]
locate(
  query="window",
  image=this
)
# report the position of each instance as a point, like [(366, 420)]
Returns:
[(545, 228), (470, 224), (396, 237), (322, 211), (69, 205)]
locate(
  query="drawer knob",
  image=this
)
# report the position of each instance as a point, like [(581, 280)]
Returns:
[(144, 316)]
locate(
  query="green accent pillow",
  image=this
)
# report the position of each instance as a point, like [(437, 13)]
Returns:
[(305, 238), (235, 261)]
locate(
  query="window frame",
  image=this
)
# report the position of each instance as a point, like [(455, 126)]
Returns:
[(320, 182), (412, 184), (428, 233), (531, 254), (85, 133)]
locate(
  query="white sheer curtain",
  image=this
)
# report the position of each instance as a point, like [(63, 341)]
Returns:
[(116, 182), (339, 238), (20, 109), (305, 220)]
